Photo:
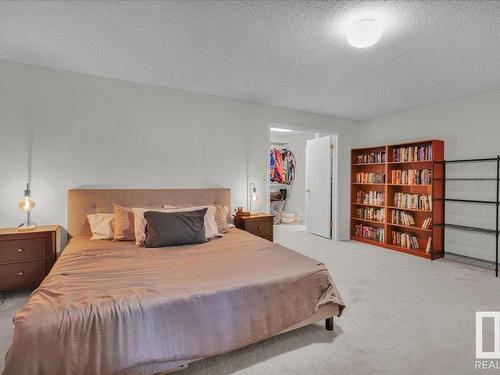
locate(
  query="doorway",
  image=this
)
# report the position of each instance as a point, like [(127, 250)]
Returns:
[(302, 178)]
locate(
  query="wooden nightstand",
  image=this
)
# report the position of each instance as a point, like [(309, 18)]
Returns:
[(258, 224), (26, 257)]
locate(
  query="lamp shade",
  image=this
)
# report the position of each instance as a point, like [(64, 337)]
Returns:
[(254, 194)]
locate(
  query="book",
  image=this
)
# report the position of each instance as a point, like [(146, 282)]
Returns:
[(429, 245), (373, 157), (370, 213), (402, 218), (376, 198), (370, 177), (411, 176), (412, 153), (406, 240), (413, 201), (371, 233), (427, 223)]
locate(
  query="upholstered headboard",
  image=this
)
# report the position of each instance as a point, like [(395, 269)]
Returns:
[(82, 202)]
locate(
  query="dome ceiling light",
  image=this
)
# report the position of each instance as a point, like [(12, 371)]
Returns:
[(364, 33)]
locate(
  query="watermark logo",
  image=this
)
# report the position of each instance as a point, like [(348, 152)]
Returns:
[(488, 359)]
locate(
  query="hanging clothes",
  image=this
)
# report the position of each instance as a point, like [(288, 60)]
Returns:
[(289, 166), (282, 166)]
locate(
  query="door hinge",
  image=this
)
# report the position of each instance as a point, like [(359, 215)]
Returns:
[(331, 224), (331, 147)]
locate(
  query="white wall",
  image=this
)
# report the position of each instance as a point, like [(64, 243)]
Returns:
[(82, 130), (470, 128)]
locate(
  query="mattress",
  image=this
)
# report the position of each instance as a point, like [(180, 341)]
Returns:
[(109, 307)]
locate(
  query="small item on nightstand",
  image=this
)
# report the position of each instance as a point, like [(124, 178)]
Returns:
[(240, 212)]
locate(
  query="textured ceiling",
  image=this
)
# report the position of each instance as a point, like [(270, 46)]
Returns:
[(288, 54)]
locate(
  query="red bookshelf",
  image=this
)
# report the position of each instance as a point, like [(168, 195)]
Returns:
[(397, 196)]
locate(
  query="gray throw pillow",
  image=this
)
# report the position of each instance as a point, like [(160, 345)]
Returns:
[(174, 228)]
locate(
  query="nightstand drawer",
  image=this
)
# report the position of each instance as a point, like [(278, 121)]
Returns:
[(261, 228), (20, 250), (258, 224), (18, 274)]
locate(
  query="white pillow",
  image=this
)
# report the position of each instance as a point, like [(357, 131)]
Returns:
[(102, 226), (140, 221)]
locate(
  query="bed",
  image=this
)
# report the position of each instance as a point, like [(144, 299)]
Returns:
[(115, 308)]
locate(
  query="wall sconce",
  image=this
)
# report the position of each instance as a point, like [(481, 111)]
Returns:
[(27, 204), (253, 194)]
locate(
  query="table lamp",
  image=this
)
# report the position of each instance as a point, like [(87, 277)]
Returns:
[(253, 194), (27, 204)]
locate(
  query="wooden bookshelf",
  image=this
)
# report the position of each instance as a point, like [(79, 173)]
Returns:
[(368, 165)]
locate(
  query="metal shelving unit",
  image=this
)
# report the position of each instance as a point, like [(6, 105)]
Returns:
[(473, 179), (470, 229), (469, 201), (486, 231)]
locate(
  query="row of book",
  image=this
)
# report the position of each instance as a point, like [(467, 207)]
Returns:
[(406, 240), (370, 213), (373, 157), (406, 218), (409, 241), (402, 218), (427, 223), (372, 197), (375, 234), (412, 176), (413, 201), (370, 177), (412, 153)]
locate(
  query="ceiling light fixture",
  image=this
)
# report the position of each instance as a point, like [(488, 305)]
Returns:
[(281, 130), (364, 33)]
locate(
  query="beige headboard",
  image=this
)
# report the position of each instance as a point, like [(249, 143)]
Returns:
[(82, 202)]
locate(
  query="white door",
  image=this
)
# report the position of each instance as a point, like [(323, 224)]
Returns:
[(319, 186)]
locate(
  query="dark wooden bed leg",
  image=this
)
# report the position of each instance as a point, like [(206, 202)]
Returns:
[(329, 324)]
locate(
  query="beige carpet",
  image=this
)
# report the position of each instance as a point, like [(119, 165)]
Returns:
[(404, 315)]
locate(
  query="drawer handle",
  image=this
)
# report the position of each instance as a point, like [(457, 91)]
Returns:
[(20, 250), (259, 227), (20, 273)]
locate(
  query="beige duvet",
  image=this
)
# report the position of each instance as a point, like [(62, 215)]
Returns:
[(107, 307)]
